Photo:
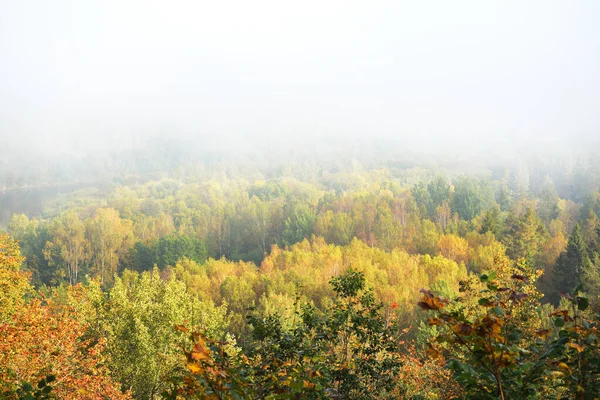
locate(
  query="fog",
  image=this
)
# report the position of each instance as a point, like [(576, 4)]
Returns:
[(80, 76)]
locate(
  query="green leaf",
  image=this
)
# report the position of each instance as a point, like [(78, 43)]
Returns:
[(559, 322), (484, 302), (586, 324), (498, 310), (582, 303)]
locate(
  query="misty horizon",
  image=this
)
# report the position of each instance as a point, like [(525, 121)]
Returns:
[(100, 75)]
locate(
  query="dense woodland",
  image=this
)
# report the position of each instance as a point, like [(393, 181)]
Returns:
[(340, 280)]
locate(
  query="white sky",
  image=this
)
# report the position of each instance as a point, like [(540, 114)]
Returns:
[(430, 71)]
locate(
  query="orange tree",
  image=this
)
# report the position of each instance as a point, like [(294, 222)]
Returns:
[(42, 343), (46, 340)]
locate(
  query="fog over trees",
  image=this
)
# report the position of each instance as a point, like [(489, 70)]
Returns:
[(320, 200)]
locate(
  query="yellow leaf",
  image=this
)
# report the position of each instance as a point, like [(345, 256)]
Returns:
[(200, 352), (308, 384), (564, 367), (575, 346), (194, 368)]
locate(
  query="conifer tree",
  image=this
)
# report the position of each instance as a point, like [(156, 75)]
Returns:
[(572, 264)]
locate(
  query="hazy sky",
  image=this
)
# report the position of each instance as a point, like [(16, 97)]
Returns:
[(414, 69)]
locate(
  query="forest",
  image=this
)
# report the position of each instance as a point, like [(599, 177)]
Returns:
[(333, 200), (384, 279)]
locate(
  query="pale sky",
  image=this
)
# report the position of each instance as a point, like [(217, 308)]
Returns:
[(429, 71)]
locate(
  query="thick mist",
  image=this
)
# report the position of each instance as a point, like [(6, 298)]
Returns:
[(88, 77)]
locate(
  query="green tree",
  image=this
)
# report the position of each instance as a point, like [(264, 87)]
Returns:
[(491, 221), (174, 247), (493, 335), (137, 317), (32, 236), (432, 195), (572, 264), (548, 203), (471, 196), (525, 236), (141, 257), (298, 225)]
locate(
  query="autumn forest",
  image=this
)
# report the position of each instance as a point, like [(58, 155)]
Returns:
[(344, 281), (289, 200)]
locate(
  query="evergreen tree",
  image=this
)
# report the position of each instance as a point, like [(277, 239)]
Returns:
[(572, 264), (547, 208), (526, 234), (491, 221)]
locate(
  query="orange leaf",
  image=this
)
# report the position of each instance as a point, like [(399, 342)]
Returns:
[(575, 346), (181, 328), (194, 368)]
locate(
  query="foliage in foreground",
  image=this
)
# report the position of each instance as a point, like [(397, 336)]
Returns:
[(502, 349), (43, 343), (352, 350)]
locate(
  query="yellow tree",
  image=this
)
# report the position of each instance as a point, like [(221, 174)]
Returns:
[(442, 215), (109, 236), (13, 283), (68, 246), (454, 248)]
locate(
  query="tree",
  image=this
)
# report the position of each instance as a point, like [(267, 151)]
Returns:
[(548, 203), (335, 227), (260, 217), (18, 226), (453, 247), (572, 264), (137, 318), (298, 225), (221, 235), (471, 196), (174, 247), (442, 215), (50, 341), (44, 344), (14, 284), (68, 246), (427, 241), (432, 195), (32, 236), (109, 237), (491, 334), (350, 351), (491, 222), (142, 256), (525, 236)]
